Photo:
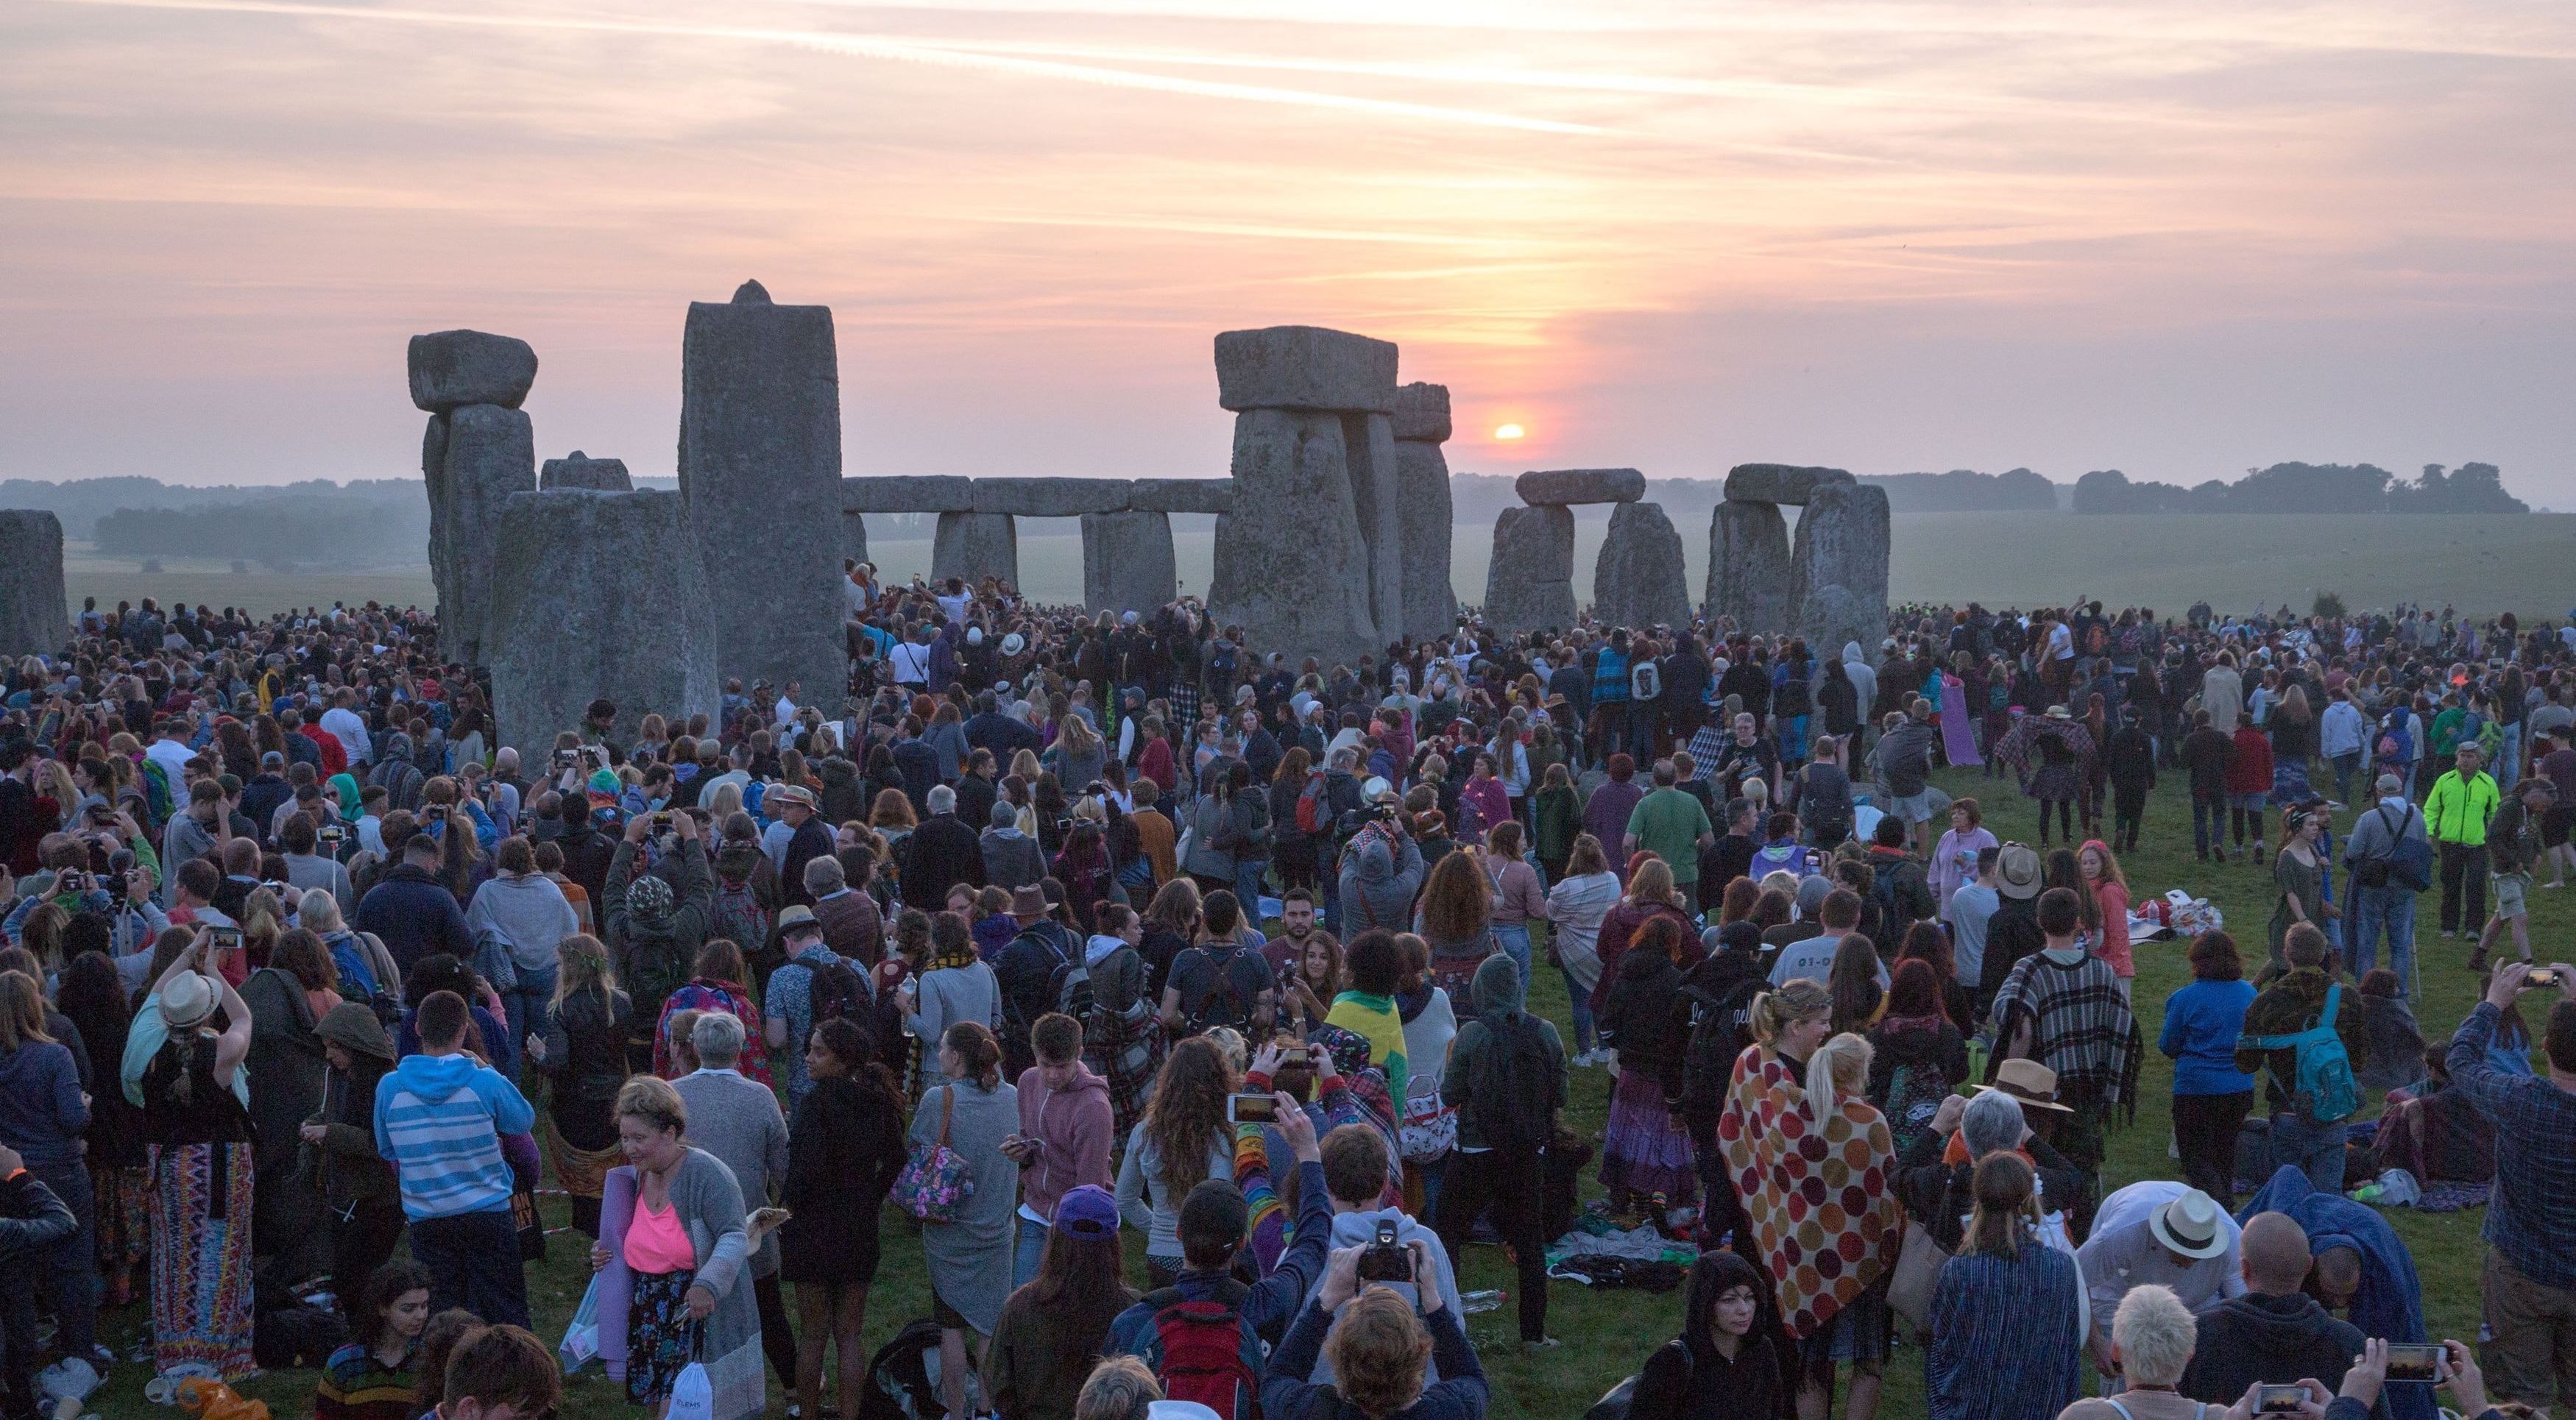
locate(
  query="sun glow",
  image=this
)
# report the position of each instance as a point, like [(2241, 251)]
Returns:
[(1509, 431)]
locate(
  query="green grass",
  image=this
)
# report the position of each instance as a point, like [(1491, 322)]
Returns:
[(1607, 1335)]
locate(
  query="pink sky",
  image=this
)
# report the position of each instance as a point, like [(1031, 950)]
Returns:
[(2177, 239)]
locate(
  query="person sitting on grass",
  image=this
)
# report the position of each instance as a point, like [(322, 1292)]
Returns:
[(376, 1376)]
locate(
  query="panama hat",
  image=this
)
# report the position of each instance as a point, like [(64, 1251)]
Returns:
[(2188, 1226), (2030, 1082), (188, 1000), (2017, 874)]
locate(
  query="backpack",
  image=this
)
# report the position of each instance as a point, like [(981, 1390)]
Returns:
[(1790, 700), (1716, 1032), (2324, 1092), (1070, 987), (654, 969), (1056, 982), (1310, 805), (1202, 1346), (1221, 1004), (1779, 857), (740, 918), (1882, 892), (1645, 680), (837, 993), (1915, 1090), (2491, 740), (2408, 863), (1507, 1084)]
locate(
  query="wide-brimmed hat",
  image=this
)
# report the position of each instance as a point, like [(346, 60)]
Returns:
[(2017, 873), (1028, 901), (1013, 644), (2188, 1226), (799, 918), (188, 1000), (2030, 1082), (790, 794)]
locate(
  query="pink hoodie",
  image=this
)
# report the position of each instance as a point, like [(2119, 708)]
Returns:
[(1075, 1124)]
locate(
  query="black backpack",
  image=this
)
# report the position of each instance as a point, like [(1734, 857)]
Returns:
[(1223, 1003), (1718, 1032), (1509, 1083)]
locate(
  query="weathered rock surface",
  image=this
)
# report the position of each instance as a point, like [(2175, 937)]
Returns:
[(909, 493), (760, 468), (491, 452), (1778, 482), (1838, 566), (1304, 367), (1558, 486), (1182, 495), (1291, 566), (854, 535), (1127, 562), (1639, 579), (433, 473), (580, 470), (1052, 497), (1529, 586), (1368, 442), (597, 594), (1748, 567), (1424, 511), (454, 368), (1422, 412), (35, 618), (975, 546)]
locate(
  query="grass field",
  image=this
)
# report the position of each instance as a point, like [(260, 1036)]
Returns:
[(2483, 564), (1607, 1335)]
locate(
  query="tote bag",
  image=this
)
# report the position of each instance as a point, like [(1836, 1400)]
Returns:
[(934, 1184)]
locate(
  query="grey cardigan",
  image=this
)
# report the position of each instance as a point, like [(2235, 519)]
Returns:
[(738, 1121), (703, 1193)]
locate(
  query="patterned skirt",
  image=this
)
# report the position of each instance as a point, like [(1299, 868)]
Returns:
[(1647, 1150), (660, 1336), (122, 1200), (2290, 783), (200, 1219)]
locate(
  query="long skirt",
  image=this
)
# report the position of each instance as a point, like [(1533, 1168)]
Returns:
[(661, 1339), (122, 1198), (2290, 783), (201, 1300), (1647, 1150)]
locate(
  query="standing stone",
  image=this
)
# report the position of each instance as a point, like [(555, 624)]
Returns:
[(1291, 566), (491, 453), (598, 594), (1127, 562), (1748, 567), (580, 470), (455, 368), (975, 546), (433, 473), (1368, 442), (1838, 566), (34, 614), (1529, 586), (1639, 579), (854, 535), (1424, 510), (760, 469)]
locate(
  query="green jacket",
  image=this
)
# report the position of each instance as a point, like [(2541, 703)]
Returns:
[(2458, 812)]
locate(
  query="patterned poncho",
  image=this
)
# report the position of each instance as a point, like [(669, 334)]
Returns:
[(1820, 1197)]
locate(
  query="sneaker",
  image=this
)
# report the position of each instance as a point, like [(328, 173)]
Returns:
[(1542, 1344)]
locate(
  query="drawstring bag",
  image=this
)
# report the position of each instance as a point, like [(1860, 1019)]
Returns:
[(934, 1184), (693, 1392)]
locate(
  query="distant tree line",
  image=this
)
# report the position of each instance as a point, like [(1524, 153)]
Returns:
[(2307, 488), (281, 533), (1967, 491)]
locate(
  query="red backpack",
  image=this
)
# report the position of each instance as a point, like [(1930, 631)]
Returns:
[(1310, 805), (1202, 1344)]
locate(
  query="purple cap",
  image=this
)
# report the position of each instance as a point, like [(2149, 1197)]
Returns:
[(1087, 1211)]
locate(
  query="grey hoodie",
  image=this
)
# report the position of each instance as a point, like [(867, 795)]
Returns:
[(1862, 675), (1380, 875), (530, 913), (1499, 994)]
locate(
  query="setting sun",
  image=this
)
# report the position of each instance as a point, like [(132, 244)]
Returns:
[(1508, 431)]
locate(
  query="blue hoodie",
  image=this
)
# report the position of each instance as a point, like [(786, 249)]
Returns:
[(440, 1119)]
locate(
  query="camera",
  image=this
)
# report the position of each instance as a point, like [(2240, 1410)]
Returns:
[(2279, 1399), (567, 758), (435, 813), (331, 833), (71, 880), (661, 820), (2414, 1361), (1387, 1260), (1251, 1109)]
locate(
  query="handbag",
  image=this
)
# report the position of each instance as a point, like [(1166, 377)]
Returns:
[(1430, 1129), (531, 1228), (935, 1184), (1918, 1276)]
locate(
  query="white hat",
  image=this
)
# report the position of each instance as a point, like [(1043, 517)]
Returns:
[(974, 636), (188, 1000), (1012, 644), (2189, 1225)]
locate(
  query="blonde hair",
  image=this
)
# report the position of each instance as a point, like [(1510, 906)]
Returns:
[(583, 963), (1773, 1012), (1839, 1070), (318, 912), (1652, 882), (650, 1098), (1378, 1349), (22, 1012)]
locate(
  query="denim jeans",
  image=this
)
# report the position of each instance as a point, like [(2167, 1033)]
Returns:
[(2346, 765), (1515, 940), (2389, 912), (2208, 823), (1584, 1036), (2313, 1149), (2508, 765), (526, 1002), (1028, 1250), (473, 1262), (70, 1267), (1247, 886)]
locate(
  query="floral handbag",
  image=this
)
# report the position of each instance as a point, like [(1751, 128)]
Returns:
[(934, 1184), (1429, 1131)]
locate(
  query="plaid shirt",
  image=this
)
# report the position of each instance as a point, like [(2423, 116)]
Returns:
[(2533, 1219)]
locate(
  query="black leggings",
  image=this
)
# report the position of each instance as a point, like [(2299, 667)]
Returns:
[(2205, 1129), (2065, 820), (2241, 816)]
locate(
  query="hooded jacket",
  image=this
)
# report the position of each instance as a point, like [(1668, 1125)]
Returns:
[(1637, 1016), (1499, 998), (1687, 1378), (440, 1119), (414, 915), (2275, 1339), (1862, 675), (530, 913), (345, 1165), (1380, 875), (1074, 1127)]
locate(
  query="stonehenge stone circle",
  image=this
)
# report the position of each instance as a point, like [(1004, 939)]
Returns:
[(854, 535), (1291, 566), (1838, 564), (1051, 497), (1424, 510), (580, 470), (1748, 567), (975, 546), (908, 493), (1560, 486), (760, 470), (487, 452), (1368, 441), (1182, 495), (1127, 562), (1639, 580), (35, 617), (454, 368), (598, 594), (1778, 482), (1529, 585), (1304, 367)]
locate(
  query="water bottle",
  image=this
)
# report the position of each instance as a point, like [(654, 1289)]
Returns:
[(1484, 1301)]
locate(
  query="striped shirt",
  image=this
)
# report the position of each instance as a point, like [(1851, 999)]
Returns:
[(440, 1120)]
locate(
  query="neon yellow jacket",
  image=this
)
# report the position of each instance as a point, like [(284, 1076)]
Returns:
[(2458, 812)]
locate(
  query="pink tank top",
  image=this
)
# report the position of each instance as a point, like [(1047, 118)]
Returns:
[(656, 1243)]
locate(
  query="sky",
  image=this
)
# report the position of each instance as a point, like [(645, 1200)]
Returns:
[(2179, 239)]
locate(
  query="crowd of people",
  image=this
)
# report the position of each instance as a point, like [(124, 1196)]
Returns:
[(1051, 928)]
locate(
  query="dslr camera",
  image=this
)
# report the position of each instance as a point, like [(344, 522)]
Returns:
[(1386, 1260)]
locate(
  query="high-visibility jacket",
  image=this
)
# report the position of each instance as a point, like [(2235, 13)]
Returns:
[(2458, 810)]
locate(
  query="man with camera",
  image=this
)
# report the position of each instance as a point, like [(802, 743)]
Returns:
[(1399, 1252)]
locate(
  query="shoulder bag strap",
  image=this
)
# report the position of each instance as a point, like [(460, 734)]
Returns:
[(947, 1111), (2334, 998), (2113, 1401)]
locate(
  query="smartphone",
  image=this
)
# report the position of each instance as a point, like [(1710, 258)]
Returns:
[(1251, 1109), (2414, 1361), (225, 939), (661, 818), (2542, 976), (71, 880), (2279, 1399)]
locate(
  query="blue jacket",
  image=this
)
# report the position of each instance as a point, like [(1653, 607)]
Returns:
[(1268, 1305), (2202, 1021), (415, 917), (440, 1119), (2390, 1304), (41, 1113)]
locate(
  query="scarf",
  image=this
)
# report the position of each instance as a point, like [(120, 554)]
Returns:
[(1373, 1019), (1819, 1197), (956, 960)]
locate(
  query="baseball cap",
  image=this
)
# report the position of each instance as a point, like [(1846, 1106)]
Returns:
[(1087, 1211)]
